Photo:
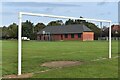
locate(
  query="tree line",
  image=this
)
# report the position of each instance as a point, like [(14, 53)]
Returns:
[(30, 30)]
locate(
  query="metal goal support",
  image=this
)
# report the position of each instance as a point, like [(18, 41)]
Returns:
[(52, 16)]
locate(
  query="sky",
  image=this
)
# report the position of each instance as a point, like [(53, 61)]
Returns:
[(60, 0), (95, 10)]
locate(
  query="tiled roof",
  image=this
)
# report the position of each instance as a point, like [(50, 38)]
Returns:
[(65, 29)]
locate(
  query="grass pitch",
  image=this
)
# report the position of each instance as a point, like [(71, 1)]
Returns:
[(34, 53)]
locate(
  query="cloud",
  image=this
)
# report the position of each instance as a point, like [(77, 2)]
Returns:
[(49, 9), (101, 3), (8, 13), (104, 2), (107, 13), (57, 0), (39, 4), (68, 11), (34, 7)]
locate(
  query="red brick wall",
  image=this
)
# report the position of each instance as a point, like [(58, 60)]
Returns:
[(69, 37), (85, 36), (56, 37), (88, 36), (116, 27)]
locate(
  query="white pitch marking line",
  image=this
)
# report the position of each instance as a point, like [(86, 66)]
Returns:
[(104, 58)]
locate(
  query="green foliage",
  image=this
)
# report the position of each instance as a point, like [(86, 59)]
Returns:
[(38, 27), (0, 32), (27, 29), (12, 30), (55, 23), (80, 21), (4, 32), (69, 22)]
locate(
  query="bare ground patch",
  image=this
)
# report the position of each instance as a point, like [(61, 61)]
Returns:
[(53, 64), (27, 75), (57, 64)]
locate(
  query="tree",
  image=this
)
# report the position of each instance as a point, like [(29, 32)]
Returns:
[(60, 22), (27, 29), (4, 32), (69, 22), (76, 21), (56, 23), (0, 33), (105, 31), (13, 30), (38, 27)]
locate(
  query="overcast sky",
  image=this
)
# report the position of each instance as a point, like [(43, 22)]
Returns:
[(97, 10)]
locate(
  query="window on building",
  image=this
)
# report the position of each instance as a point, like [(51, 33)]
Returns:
[(79, 35), (72, 35), (66, 35)]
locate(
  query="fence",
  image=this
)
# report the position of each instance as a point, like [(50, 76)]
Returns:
[(107, 38)]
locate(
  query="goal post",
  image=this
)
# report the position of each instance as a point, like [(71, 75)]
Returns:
[(51, 16)]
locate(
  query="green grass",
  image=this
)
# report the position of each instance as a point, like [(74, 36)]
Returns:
[(99, 69), (0, 59), (35, 53)]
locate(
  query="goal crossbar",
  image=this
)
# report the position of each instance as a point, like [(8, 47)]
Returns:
[(62, 17), (52, 16)]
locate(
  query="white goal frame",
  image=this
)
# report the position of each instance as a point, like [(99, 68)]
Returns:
[(52, 16)]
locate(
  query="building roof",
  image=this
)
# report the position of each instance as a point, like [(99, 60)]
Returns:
[(65, 29)]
